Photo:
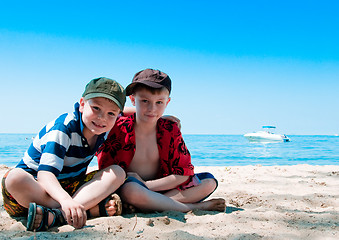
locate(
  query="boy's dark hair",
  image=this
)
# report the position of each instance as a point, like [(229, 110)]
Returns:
[(140, 86)]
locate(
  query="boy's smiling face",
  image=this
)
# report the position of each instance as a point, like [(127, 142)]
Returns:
[(98, 115), (150, 106)]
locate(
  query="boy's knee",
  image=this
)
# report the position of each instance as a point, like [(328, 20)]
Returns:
[(210, 184), (117, 171), (16, 178)]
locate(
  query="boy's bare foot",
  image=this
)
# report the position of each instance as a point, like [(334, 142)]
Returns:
[(112, 206), (216, 204)]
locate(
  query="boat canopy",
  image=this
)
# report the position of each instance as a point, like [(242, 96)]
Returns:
[(268, 126)]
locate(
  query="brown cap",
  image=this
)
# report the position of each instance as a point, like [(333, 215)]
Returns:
[(150, 77)]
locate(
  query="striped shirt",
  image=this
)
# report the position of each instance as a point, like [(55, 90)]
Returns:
[(61, 148)]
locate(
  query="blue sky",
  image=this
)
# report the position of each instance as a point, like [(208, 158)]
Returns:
[(235, 65)]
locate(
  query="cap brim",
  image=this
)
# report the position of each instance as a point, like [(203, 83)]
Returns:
[(94, 95), (130, 87)]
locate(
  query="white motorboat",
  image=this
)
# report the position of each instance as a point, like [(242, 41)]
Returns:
[(266, 136)]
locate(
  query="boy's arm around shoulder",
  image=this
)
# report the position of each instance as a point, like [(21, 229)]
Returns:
[(131, 110), (128, 111), (173, 119)]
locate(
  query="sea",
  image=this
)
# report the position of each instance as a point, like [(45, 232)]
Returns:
[(221, 150)]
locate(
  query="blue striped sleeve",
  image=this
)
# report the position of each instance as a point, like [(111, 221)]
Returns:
[(54, 148), (42, 132), (33, 153), (48, 168), (54, 145)]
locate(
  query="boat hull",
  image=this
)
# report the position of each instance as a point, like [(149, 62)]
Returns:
[(266, 137)]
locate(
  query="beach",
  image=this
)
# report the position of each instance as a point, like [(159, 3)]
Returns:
[(263, 202)]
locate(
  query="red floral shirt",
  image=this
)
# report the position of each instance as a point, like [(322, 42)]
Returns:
[(119, 148)]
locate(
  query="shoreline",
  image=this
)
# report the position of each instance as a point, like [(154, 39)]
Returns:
[(263, 202)]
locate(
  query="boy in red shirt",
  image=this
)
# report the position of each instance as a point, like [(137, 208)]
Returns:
[(153, 153)]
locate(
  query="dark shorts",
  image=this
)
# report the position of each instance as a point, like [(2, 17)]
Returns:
[(14, 209), (195, 181)]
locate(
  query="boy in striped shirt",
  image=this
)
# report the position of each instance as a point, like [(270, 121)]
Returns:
[(50, 182)]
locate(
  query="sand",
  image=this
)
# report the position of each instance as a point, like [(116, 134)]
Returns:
[(263, 202)]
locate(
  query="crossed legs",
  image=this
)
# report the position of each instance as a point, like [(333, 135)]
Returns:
[(25, 189), (183, 201)]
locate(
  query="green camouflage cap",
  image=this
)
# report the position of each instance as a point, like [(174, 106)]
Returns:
[(107, 88)]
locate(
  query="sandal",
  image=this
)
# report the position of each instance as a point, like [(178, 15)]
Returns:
[(58, 219), (102, 206)]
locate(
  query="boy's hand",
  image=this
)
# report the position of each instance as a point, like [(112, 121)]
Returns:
[(75, 213), (173, 119)]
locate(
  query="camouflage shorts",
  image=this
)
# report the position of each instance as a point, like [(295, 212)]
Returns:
[(14, 209)]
